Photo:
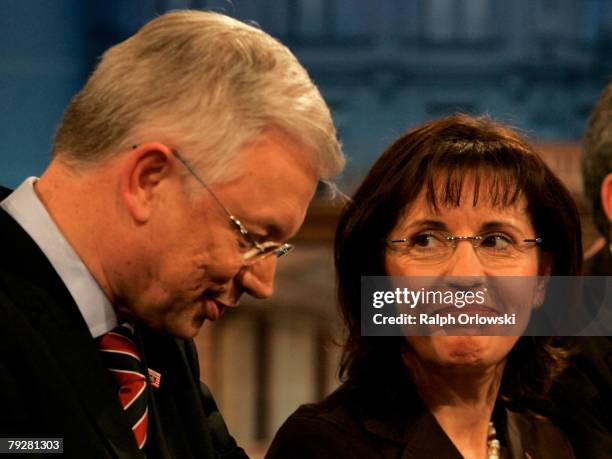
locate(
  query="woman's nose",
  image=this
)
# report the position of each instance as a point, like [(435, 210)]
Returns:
[(464, 260)]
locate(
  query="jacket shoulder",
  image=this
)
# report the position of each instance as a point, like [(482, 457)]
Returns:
[(322, 430)]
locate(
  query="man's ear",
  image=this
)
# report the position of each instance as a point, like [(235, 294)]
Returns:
[(606, 196), (143, 170)]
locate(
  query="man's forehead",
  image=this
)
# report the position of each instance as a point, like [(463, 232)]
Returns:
[(267, 201), (273, 148)]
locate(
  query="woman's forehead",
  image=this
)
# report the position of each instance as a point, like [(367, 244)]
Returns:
[(452, 187), (484, 209)]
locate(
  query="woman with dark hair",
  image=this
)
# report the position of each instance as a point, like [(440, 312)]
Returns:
[(460, 196)]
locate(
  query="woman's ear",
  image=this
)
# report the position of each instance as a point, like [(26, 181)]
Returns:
[(143, 171), (545, 261), (540, 291)]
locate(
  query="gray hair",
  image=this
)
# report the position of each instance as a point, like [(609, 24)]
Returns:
[(205, 80), (597, 159)]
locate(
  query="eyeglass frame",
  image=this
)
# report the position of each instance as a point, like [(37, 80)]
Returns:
[(259, 250), (538, 241)]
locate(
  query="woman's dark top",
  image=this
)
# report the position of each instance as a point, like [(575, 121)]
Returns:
[(382, 422)]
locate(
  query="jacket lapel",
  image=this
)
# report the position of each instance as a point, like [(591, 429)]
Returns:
[(38, 290), (421, 435), (397, 414), (176, 404)]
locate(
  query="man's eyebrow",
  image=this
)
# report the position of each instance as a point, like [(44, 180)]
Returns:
[(266, 231), (278, 233)]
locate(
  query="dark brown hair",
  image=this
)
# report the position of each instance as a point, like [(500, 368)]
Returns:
[(437, 157)]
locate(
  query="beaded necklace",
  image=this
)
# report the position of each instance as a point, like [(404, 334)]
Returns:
[(493, 447)]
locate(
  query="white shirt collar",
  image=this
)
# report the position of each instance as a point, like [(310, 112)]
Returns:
[(26, 208)]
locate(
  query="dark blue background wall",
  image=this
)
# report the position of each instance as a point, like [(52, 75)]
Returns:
[(383, 66)]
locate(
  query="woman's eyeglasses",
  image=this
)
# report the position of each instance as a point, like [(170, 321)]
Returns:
[(495, 248)]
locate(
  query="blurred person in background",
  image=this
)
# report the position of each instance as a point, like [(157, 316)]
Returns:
[(177, 174), (583, 396), (597, 178), (459, 196)]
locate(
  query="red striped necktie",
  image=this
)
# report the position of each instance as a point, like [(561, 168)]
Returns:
[(121, 356)]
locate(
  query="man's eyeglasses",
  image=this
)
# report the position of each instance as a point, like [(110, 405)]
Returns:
[(259, 250), (493, 248)]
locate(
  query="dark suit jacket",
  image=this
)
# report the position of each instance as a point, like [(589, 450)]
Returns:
[(389, 420), (54, 384), (599, 264), (582, 397)]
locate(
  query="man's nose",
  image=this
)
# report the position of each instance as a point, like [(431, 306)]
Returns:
[(258, 279)]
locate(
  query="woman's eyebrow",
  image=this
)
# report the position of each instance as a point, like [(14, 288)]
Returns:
[(499, 224), (435, 224), (440, 225)]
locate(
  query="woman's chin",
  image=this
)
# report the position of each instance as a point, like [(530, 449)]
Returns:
[(467, 352)]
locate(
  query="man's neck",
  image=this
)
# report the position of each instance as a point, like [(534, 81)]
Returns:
[(74, 203)]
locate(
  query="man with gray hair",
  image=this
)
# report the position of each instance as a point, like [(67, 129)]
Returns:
[(177, 174), (597, 175)]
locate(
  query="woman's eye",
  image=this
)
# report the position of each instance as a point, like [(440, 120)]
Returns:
[(425, 240), (421, 240), (496, 241)]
